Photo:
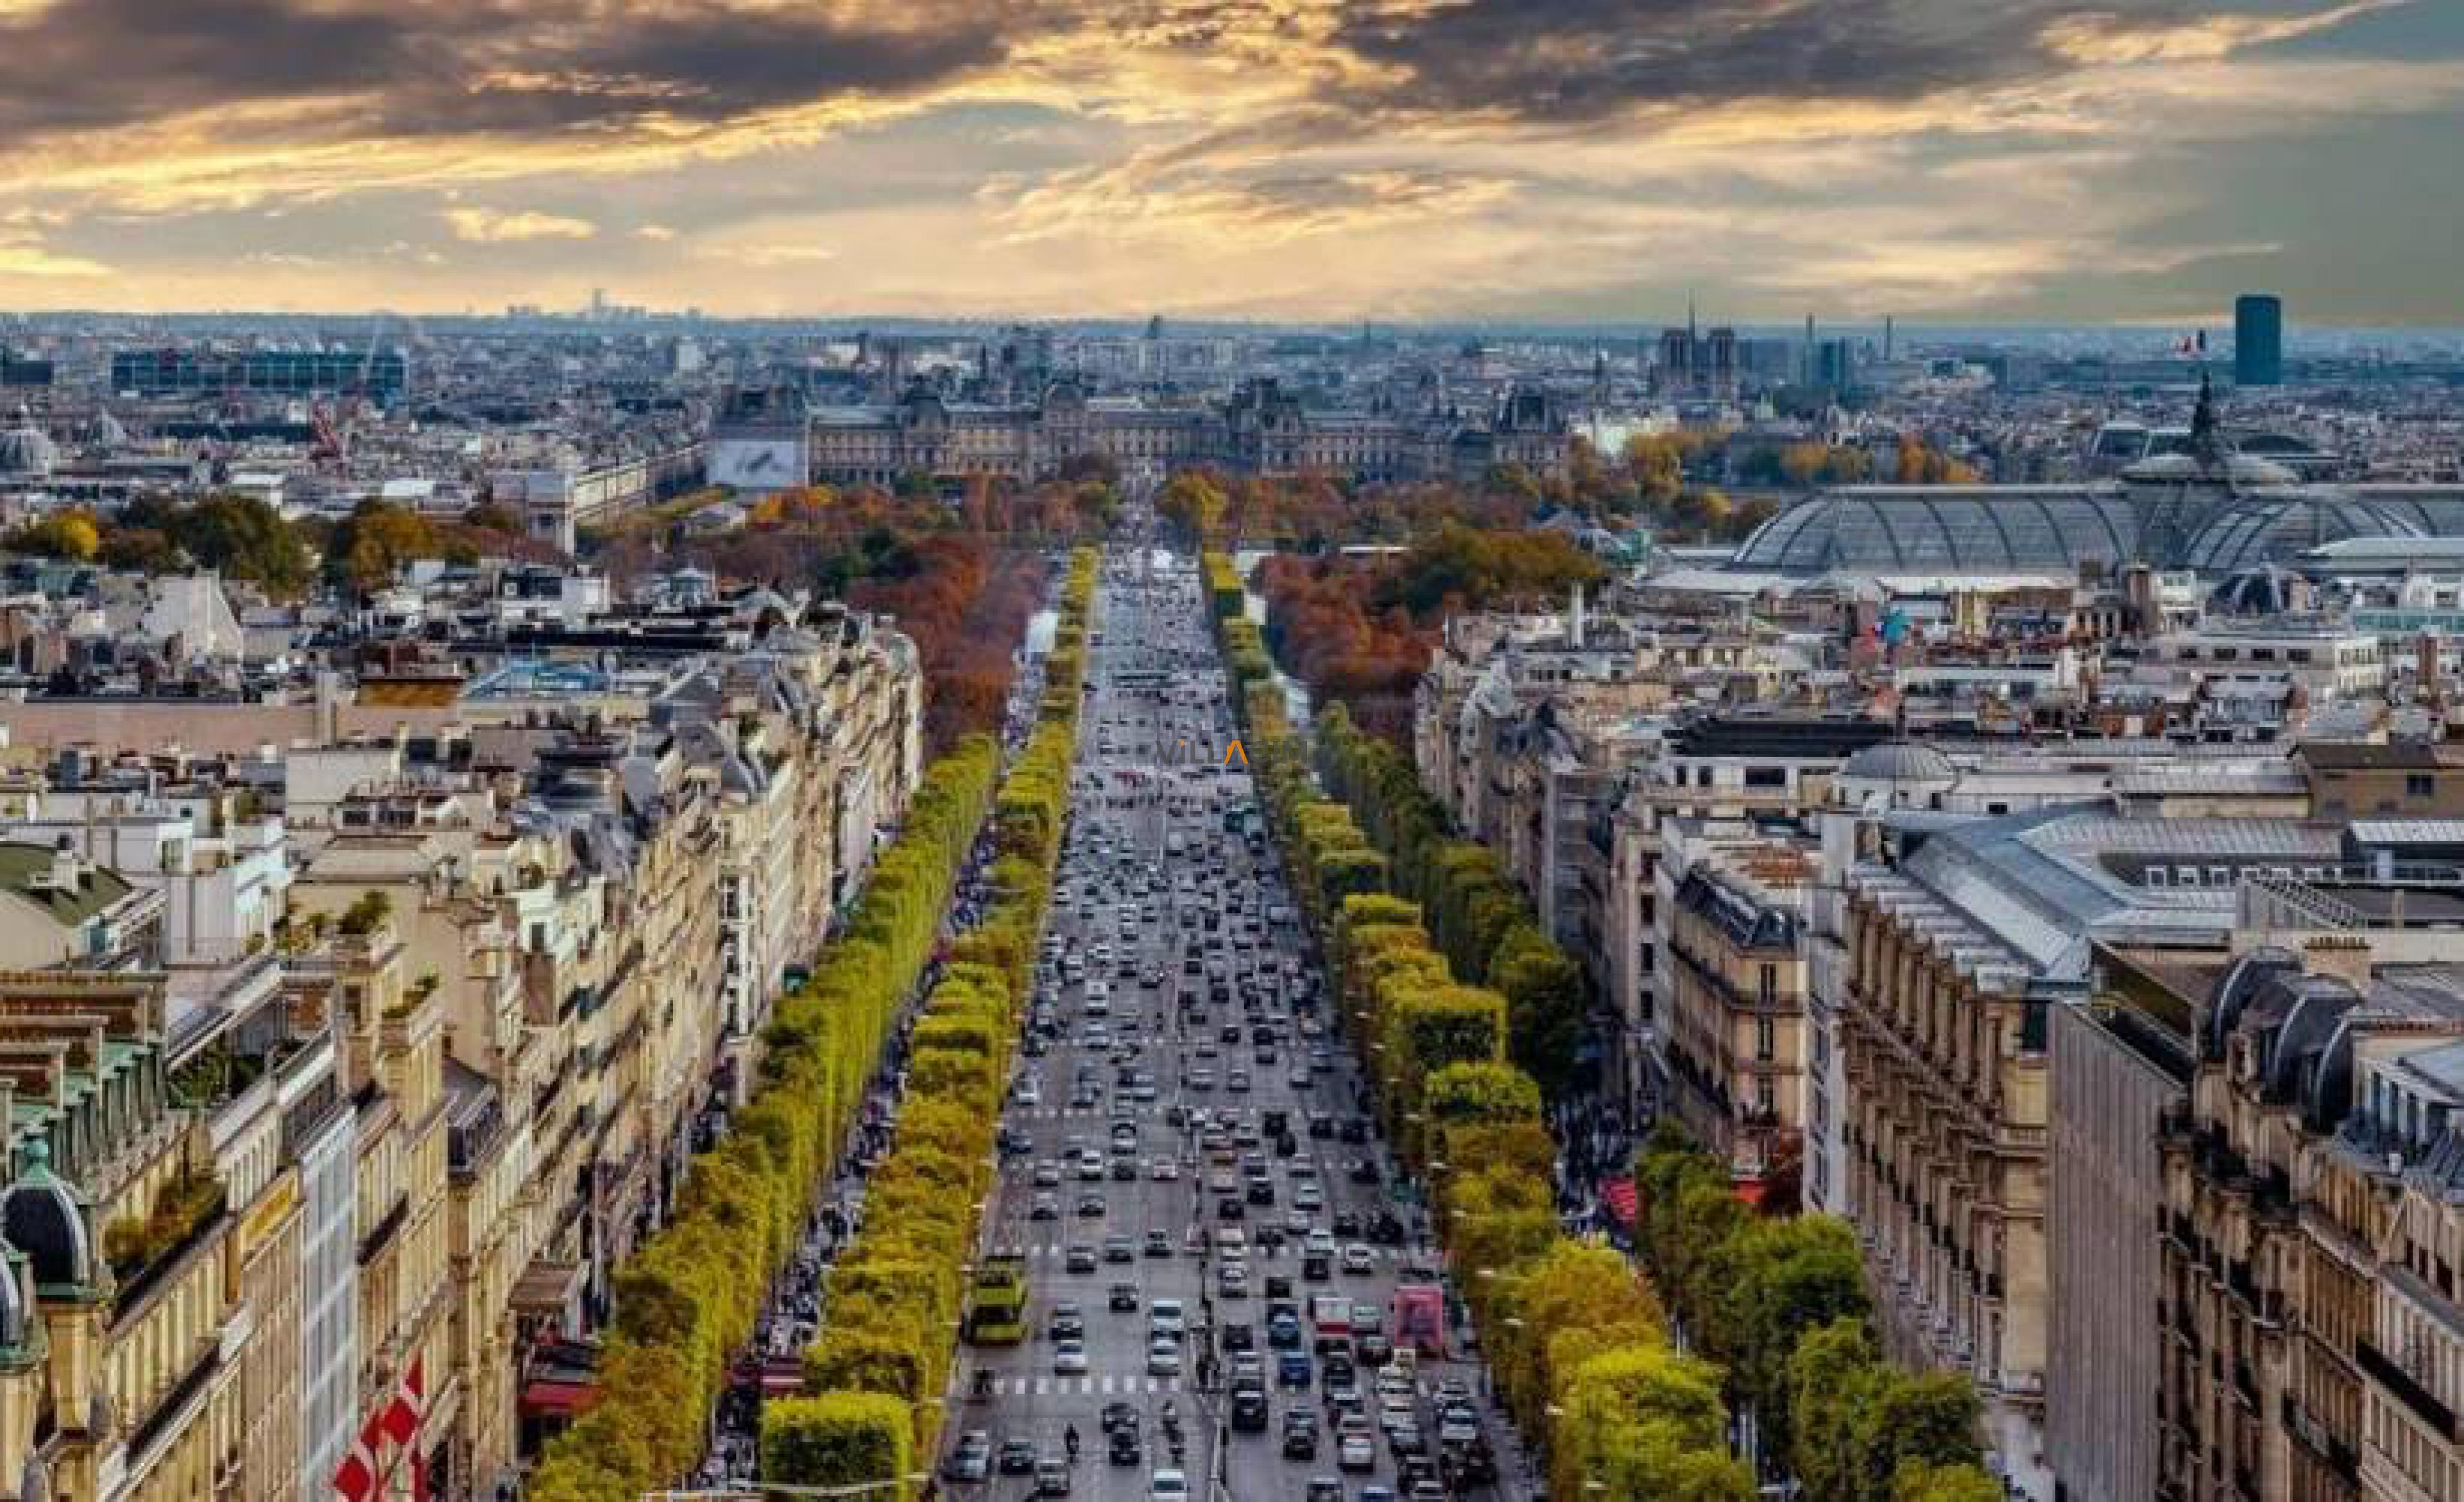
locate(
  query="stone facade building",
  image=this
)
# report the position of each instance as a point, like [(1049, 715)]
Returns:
[(1262, 429)]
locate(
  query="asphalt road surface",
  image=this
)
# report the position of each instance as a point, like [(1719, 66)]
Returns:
[(1171, 920)]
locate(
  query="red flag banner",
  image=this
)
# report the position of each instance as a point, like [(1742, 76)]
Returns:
[(400, 1420), (356, 1478)]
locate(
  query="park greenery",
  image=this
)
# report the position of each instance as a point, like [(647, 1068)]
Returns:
[(1359, 631), (1468, 1017), (881, 1359), (688, 1299), (960, 574)]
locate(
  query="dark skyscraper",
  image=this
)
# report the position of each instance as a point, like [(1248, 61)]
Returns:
[(2258, 340)]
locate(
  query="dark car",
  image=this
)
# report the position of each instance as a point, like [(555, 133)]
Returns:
[(1230, 1209), (1374, 1350), (1123, 1299), (1292, 1369), (1018, 1457), (1354, 1129), (972, 1460), (1385, 1229), (1316, 1267), (1300, 1434), (1240, 1337), (1322, 1488), (1068, 1322), (1124, 1449), (1117, 1413), (1250, 1409), (1321, 1125)]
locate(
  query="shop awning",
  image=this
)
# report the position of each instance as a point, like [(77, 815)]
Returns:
[(557, 1398)]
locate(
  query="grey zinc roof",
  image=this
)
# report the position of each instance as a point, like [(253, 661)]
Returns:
[(2443, 1066), (2194, 837), (2028, 884), (2408, 831)]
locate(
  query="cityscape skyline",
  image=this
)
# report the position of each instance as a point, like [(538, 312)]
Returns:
[(1568, 163)]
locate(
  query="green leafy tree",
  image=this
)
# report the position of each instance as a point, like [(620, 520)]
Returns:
[(1920, 1483), (1785, 1277), (1928, 1420), (839, 1439), (1545, 1003), (243, 537), (374, 543)]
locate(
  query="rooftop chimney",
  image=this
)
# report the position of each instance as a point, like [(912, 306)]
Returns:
[(2345, 957)]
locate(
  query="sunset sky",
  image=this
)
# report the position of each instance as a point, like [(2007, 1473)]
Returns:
[(1556, 160)]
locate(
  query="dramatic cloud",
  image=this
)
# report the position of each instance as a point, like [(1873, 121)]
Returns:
[(1568, 159)]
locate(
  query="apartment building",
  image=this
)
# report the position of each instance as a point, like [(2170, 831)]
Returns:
[(445, 992), (2306, 1283), (1736, 1034), (1962, 936), (124, 1372)]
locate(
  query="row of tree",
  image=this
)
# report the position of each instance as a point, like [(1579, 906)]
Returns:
[(1316, 513), (1781, 1301), (688, 1298), (247, 540), (1911, 462), (1480, 920), (884, 1350), (1578, 1345)]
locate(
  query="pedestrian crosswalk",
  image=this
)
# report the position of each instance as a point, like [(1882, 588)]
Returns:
[(1087, 1113), (1108, 1386), (1056, 1251)]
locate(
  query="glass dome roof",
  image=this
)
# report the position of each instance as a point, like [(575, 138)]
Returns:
[(2281, 526), (2003, 529)]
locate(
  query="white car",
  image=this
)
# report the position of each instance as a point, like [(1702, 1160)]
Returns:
[(1165, 1170), (1355, 1453), (1168, 1486), (1163, 1358), (1069, 1358)]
